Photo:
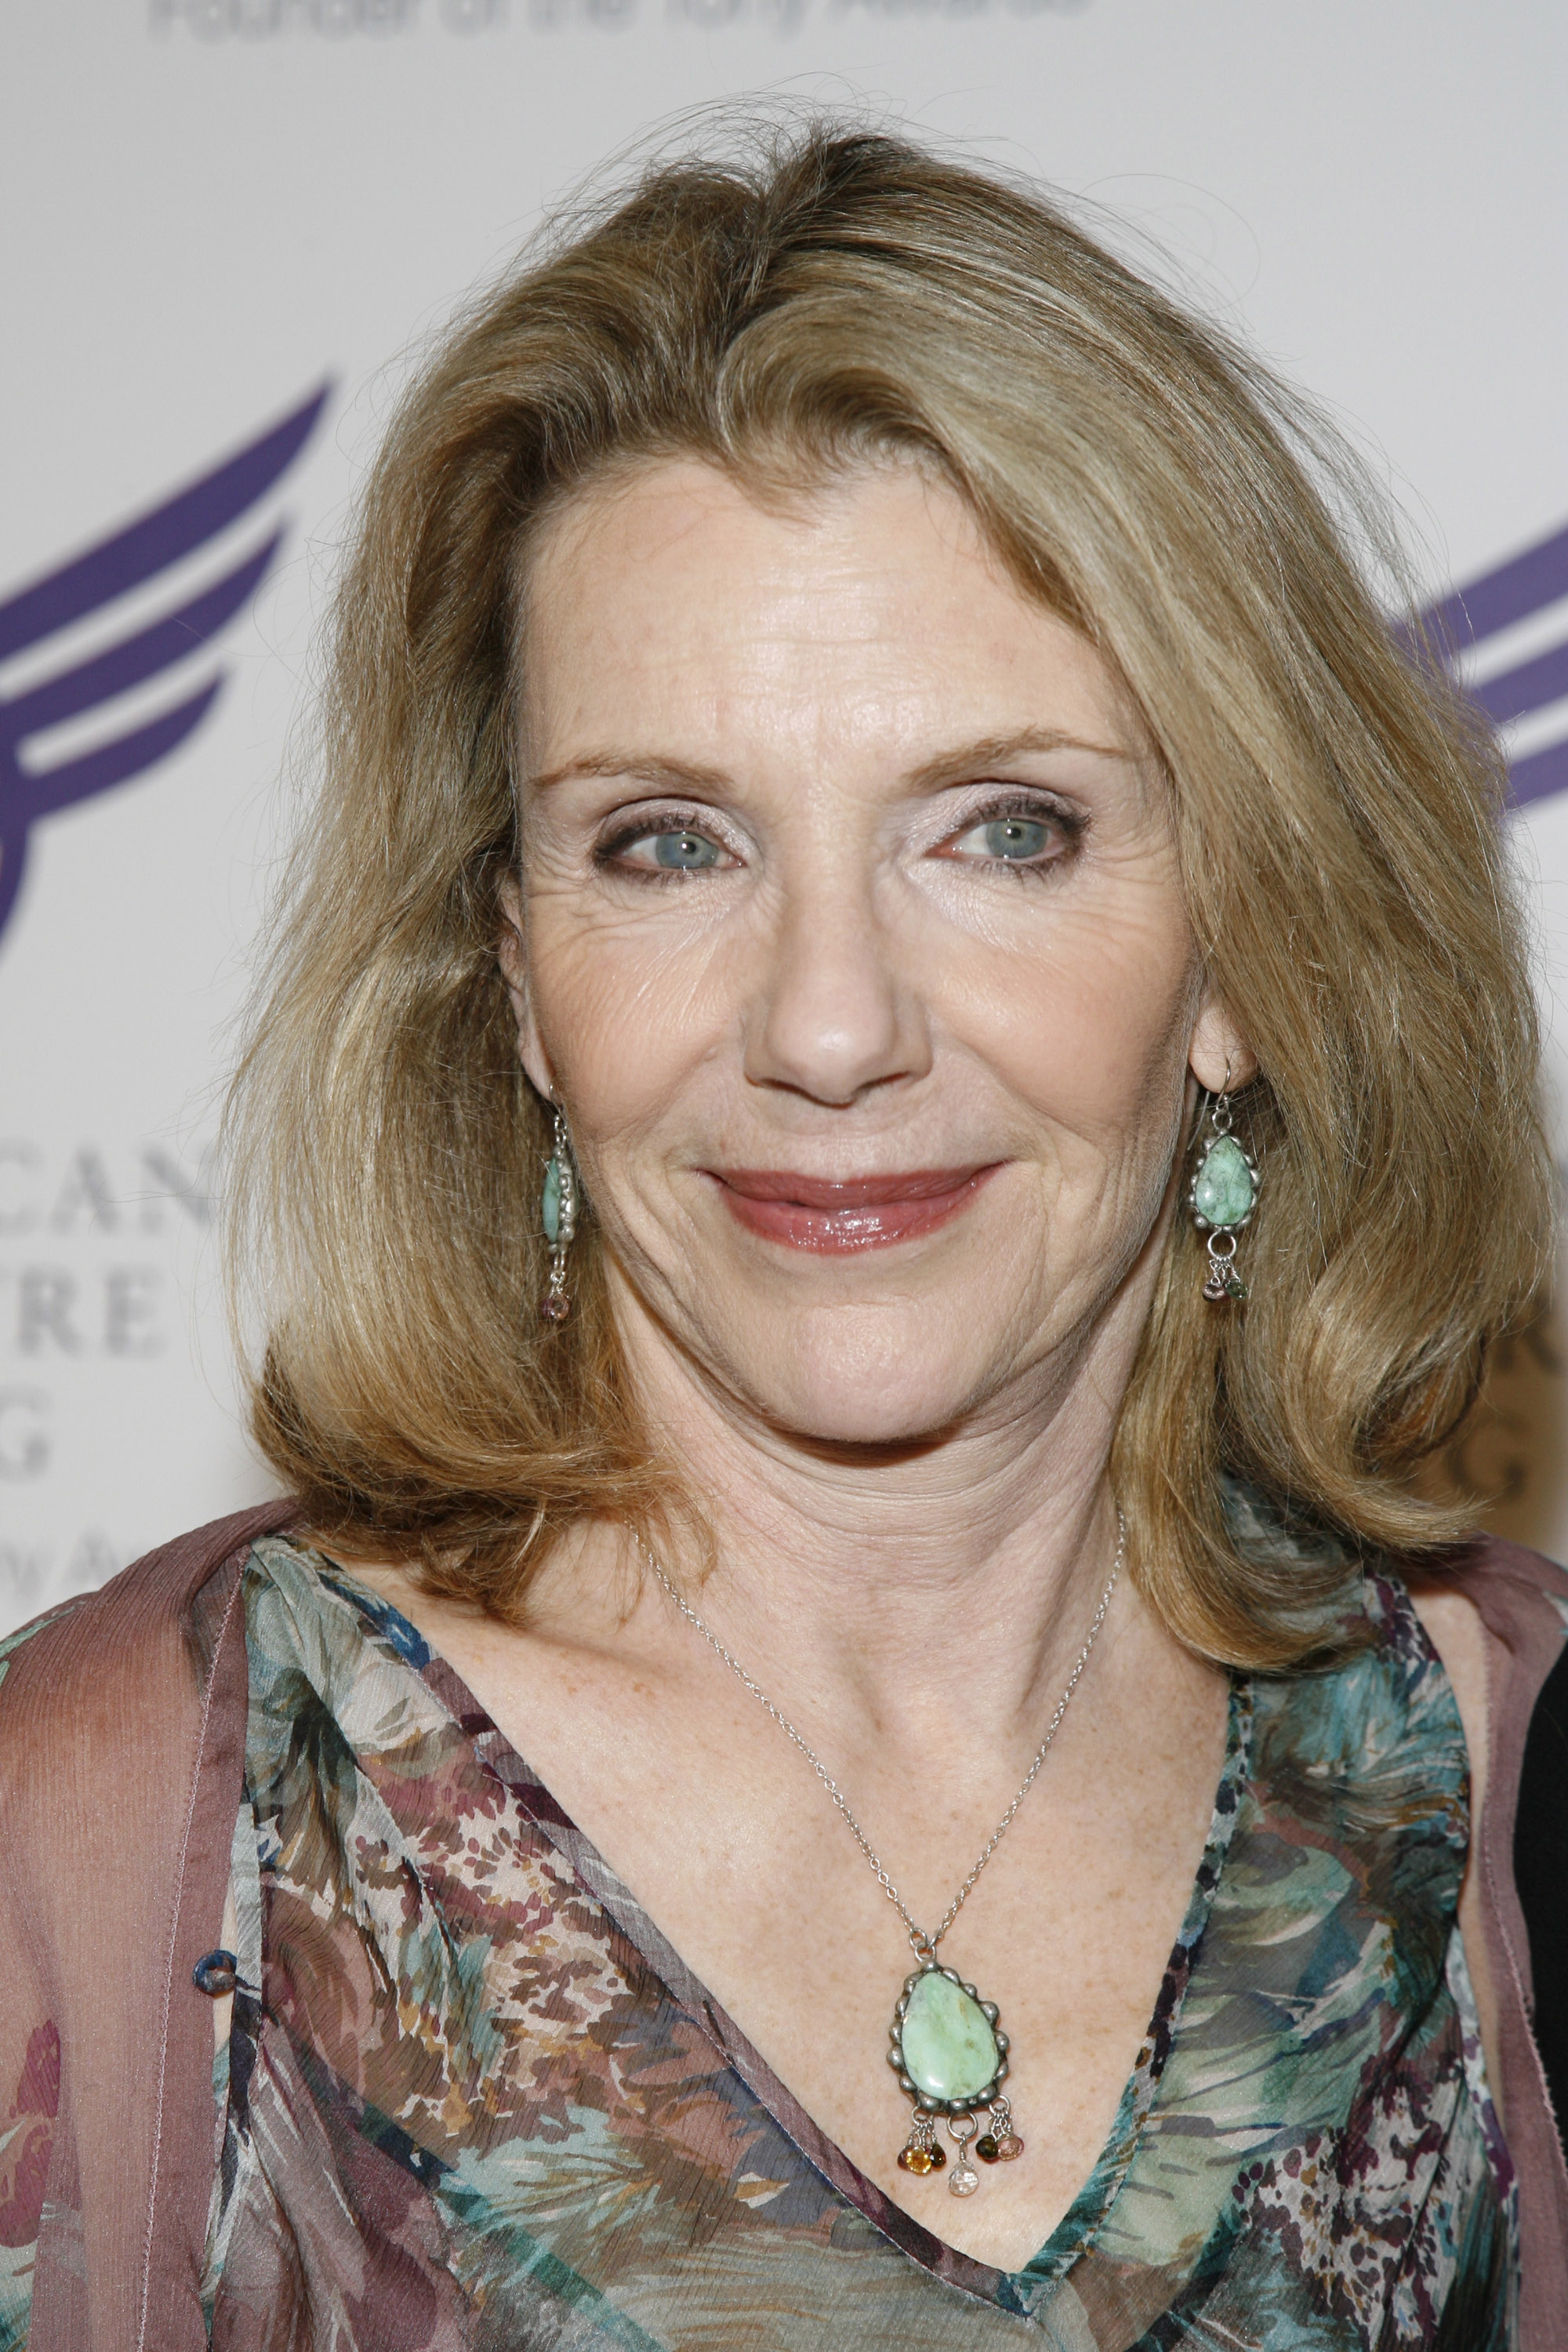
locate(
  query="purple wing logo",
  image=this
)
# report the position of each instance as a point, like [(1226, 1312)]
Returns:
[(1461, 629), (91, 585)]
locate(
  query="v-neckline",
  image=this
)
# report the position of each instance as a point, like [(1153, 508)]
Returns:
[(1017, 2291)]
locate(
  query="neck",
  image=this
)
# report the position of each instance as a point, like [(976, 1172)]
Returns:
[(881, 1596)]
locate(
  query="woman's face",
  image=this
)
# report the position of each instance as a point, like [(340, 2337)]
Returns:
[(849, 938)]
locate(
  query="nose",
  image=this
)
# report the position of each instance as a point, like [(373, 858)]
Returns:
[(834, 1015)]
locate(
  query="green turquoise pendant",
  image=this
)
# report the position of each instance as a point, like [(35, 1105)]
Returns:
[(946, 2045), (949, 2054), (1222, 1197), (549, 1201), (558, 1216), (1226, 1185)]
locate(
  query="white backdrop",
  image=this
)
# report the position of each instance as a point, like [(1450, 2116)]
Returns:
[(212, 206)]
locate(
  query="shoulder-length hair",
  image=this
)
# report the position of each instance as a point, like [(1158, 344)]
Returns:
[(835, 296)]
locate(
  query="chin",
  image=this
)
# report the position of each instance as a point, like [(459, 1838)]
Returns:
[(835, 1382), (848, 1425)]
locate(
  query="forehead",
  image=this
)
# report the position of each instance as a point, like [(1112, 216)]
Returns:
[(675, 596)]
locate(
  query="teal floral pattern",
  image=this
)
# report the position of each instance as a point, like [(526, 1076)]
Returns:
[(471, 2099)]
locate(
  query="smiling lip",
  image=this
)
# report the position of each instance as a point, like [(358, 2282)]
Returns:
[(867, 1212)]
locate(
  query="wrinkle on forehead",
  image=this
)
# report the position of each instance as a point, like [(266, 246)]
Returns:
[(811, 491)]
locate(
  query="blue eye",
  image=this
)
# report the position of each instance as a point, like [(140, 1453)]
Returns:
[(686, 851), (1009, 840), (661, 849), (1015, 836)]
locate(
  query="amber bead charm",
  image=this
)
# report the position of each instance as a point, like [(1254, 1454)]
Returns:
[(922, 2153)]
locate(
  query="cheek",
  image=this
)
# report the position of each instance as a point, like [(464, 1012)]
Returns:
[(625, 1013), (1092, 1030)]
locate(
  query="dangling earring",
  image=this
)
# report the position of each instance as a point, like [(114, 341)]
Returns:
[(558, 1214), (1225, 1189)]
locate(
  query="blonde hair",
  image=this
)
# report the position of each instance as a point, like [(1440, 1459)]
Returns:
[(837, 295)]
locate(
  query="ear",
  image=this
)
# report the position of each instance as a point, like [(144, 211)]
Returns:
[(1220, 1056), (512, 957)]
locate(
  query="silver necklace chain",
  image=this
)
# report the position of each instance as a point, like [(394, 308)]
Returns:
[(923, 1946)]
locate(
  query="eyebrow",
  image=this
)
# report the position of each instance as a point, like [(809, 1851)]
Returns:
[(954, 767), (664, 775)]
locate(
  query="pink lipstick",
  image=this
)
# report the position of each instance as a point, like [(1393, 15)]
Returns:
[(867, 1212)]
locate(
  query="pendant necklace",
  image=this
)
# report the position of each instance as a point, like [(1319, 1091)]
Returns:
[(948, 2049)]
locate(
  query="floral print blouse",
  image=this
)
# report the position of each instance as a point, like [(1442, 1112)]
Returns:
[(471, 2099)]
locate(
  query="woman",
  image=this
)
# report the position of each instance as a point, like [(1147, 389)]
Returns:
[(892, 1110)]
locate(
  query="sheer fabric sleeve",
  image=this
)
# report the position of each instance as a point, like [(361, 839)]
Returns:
[(121, 1752), (1523, 1601), (29, 2080), (1540, 1877)]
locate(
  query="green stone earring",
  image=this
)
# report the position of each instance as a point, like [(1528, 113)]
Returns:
[(1225, 1189), (558, 1204)]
